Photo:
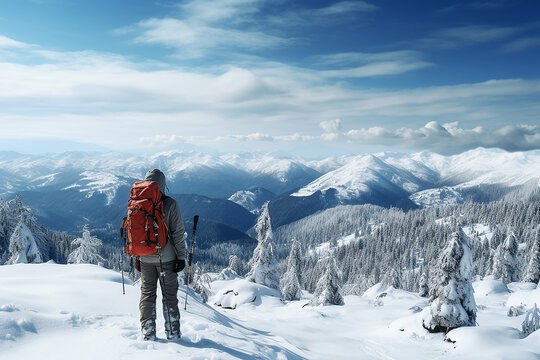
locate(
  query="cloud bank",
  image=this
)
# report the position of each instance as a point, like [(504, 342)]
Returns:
[(447, 138)]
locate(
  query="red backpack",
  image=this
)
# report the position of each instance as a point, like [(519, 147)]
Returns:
[(143, 229)]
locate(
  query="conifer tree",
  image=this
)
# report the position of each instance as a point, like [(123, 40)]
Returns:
[(424, 288), (505, 263), (229, 272), (290, 281), (531, 323), (533, 269), (22, 246), (235, 265), (263, 268), (452, 303), (328, 291), (201, 284), (87, 251)]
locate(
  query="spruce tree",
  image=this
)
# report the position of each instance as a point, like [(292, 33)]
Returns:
[(290, 281), (424, 288), (505, 263), (328, 291), (201, 284), (22, 246), (452, 303), (533, 269), (87, 251), (263, 268)]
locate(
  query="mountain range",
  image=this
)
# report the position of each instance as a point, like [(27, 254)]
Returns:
[(68, 190)]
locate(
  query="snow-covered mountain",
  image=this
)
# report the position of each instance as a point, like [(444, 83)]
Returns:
[(187, 172), (96, 185), (252, 199), (432, 179)]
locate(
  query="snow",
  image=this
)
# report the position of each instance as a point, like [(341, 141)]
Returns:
[(355, 178), (99, 182), (429, 178), (52, 311), (483, 232), (326, 249)]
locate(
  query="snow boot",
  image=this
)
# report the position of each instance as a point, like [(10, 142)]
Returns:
[(148, 330)]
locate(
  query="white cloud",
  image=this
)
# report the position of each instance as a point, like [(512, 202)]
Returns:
[(342, 7), (358, 64), (471, 35), (110, 100), (6, 42), (449, 138), (522, 44), (194, 40), (203, 27)]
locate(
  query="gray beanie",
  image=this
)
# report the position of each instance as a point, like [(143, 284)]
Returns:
[(157, 176)]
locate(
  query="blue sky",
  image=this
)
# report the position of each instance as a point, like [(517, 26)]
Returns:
[(312, 78)]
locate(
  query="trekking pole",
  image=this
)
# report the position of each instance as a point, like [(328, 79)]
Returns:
[(190, 257), (122, 261), (123, 285), (163, 290)]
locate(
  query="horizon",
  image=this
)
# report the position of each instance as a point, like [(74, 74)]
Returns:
[(276, 154), (303, 78)]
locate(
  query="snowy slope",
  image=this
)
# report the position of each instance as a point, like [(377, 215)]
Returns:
[(54, 311), (360, 175), (104, 173), (252, 199), (432, 179)]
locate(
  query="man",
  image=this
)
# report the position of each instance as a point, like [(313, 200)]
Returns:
[(173, 257)]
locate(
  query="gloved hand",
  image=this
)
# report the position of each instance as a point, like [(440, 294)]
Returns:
[(179, 265)]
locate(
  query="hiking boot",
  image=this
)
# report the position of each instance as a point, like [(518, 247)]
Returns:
[(149, 337), (174, 336)]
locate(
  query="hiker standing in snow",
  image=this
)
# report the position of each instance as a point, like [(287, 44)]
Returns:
[(171, 257)]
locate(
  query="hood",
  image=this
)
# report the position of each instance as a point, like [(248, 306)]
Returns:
[(157, 176)]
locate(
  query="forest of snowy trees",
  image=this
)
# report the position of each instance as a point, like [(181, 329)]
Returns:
[(392, 246), (399, 248)]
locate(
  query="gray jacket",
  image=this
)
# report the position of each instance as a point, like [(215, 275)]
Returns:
[(176, 244)]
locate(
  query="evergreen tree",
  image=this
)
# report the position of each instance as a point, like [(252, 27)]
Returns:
[(531, 323), (505, 263), (87, 251), (424, 288), (229, 272), (533, 270), (263, 268), (290, 281), (235, 265), (328, 291), (201, 284), (452, 303), (22, 246)]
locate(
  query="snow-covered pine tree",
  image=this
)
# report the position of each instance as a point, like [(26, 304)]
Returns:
[(533, 269), (201, 284), (87, 251), (229, 272), (505, 263), (531, 323), (263, 268), (236, 265), (392, 278), (451, 292), (22, 246), (328, 291), (424, 288), (290, 281)]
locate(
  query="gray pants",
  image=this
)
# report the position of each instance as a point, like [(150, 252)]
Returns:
[(147, 305)]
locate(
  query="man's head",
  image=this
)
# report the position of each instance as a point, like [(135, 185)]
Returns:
[(157, 176)]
